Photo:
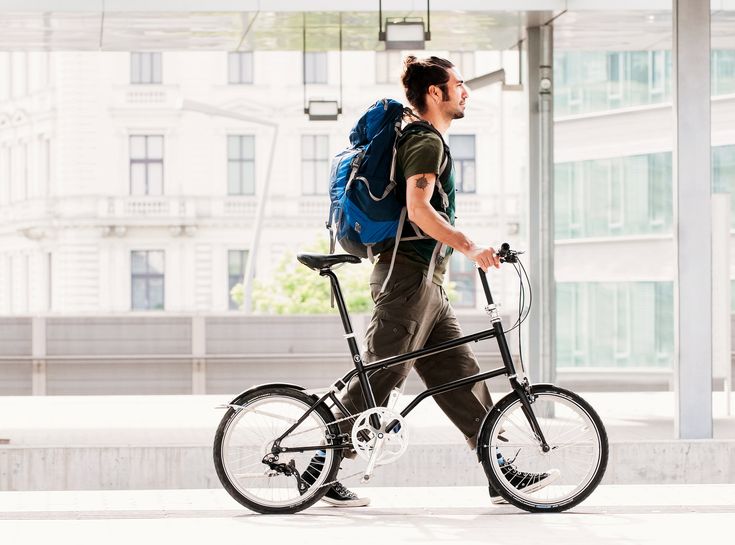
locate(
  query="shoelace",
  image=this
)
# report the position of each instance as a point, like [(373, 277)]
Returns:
[(340, 489)]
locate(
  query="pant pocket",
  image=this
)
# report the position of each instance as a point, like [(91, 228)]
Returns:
[(389, 335)]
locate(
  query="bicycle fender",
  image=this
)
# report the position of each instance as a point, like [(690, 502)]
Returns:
[(494, 409), (236, 400)]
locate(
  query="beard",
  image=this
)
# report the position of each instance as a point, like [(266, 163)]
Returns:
[(458, 115)]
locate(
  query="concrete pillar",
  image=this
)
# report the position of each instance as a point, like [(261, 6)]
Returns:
[(692, 219), (198, 352), (38, 353), (542, 330)]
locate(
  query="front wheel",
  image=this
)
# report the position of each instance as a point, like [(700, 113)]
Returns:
[(276, 483), (518, 468)]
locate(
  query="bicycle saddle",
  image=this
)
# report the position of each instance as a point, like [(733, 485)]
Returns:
[(324, 261)]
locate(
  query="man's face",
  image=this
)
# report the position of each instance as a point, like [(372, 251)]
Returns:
[(456, 95)]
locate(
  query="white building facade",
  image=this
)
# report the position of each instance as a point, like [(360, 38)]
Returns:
[(114, 198)]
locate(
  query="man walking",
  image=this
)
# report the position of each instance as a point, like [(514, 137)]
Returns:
[(412, 310)]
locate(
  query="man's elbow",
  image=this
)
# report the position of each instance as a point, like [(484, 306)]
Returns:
[(413, 212)]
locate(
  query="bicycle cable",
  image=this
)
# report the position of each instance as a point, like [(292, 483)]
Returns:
[(523, 310)]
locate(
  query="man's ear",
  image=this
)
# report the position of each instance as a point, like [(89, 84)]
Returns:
[(434, 92)]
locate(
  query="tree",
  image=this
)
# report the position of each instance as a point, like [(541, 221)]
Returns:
[(296, 289)]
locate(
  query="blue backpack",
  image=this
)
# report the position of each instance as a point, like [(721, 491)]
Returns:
[(367, 216)]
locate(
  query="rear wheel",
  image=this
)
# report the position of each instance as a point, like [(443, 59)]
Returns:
[(276, 483), (538, 481)]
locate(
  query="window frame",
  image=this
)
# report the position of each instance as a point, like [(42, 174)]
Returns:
[(313, 163), (148, 276), (241, 161), (146, 162), (460, 164), (243, 77), (244, 254), (155, 68)]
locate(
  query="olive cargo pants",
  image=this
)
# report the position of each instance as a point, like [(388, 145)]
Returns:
[(409, 315)]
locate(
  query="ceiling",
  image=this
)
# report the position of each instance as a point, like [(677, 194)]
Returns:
[(456, 25)]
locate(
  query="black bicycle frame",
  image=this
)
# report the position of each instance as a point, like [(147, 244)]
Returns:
[(361, 370)]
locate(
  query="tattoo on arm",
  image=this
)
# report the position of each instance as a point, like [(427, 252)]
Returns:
[(422, 182)]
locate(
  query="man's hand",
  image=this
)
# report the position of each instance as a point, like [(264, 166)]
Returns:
[(483, 257)]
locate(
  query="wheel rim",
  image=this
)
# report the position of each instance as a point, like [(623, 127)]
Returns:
[(574, 458), (249, 436)]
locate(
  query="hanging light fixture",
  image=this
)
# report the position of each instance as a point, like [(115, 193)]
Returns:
[(322, 109), (405, 32)]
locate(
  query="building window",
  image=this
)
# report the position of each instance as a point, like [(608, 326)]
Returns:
[(315, 164), (614, 324), (387, 66), (463, 153), (616, 196), (145, 68), (241, 165), (315, 67), (146, 165), (147, 280), (236, 262), (240, 67), (462, 272), (660, 198)]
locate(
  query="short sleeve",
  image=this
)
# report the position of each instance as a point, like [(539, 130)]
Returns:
[(421, 153)]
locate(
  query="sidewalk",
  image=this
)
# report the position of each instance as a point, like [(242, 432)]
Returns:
[(640, 515), (158, 442)]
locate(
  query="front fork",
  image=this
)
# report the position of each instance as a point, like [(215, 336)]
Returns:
[(523, 390), (521, 387)]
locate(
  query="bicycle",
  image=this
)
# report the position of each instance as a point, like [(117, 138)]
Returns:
[(278, 446)]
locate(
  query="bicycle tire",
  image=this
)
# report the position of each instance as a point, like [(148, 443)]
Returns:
[(247, 432), (573, 430)]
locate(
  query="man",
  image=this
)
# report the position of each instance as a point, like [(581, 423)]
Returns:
[(413, 311)]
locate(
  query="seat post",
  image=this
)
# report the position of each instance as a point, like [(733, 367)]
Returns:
[(340, 303), (367, 390)]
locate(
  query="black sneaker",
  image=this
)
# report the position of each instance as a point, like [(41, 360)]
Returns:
[(337, 494), (342, 497), (521, 480)]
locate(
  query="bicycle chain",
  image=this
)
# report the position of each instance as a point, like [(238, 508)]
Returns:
[(344, 477)]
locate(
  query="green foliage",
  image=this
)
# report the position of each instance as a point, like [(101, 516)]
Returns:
[(295, 289)]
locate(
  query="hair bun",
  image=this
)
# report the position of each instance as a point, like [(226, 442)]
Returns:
[(410, 59)]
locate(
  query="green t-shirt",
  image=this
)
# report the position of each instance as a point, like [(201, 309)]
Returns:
[(423, 153)]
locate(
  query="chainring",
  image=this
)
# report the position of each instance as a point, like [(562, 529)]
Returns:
[(365, 435)]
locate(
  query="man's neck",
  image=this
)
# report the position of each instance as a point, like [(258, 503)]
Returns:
[(437, 121)]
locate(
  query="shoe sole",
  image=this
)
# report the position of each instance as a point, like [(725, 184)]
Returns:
[(554, 474), (359, 502)]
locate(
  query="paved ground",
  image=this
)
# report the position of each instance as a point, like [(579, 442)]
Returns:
[(639, 515)]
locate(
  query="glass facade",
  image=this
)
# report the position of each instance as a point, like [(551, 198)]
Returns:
[(614, 324), (596, 81), (613, 197)]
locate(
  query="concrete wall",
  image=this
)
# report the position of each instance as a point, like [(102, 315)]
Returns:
[(182, 354)]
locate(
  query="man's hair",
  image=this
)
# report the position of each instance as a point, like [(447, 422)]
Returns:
[(420, 74)]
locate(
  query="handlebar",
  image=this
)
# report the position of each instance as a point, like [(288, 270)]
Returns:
[(507, 255)]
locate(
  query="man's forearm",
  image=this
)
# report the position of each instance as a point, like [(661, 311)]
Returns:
[(434, 225)]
